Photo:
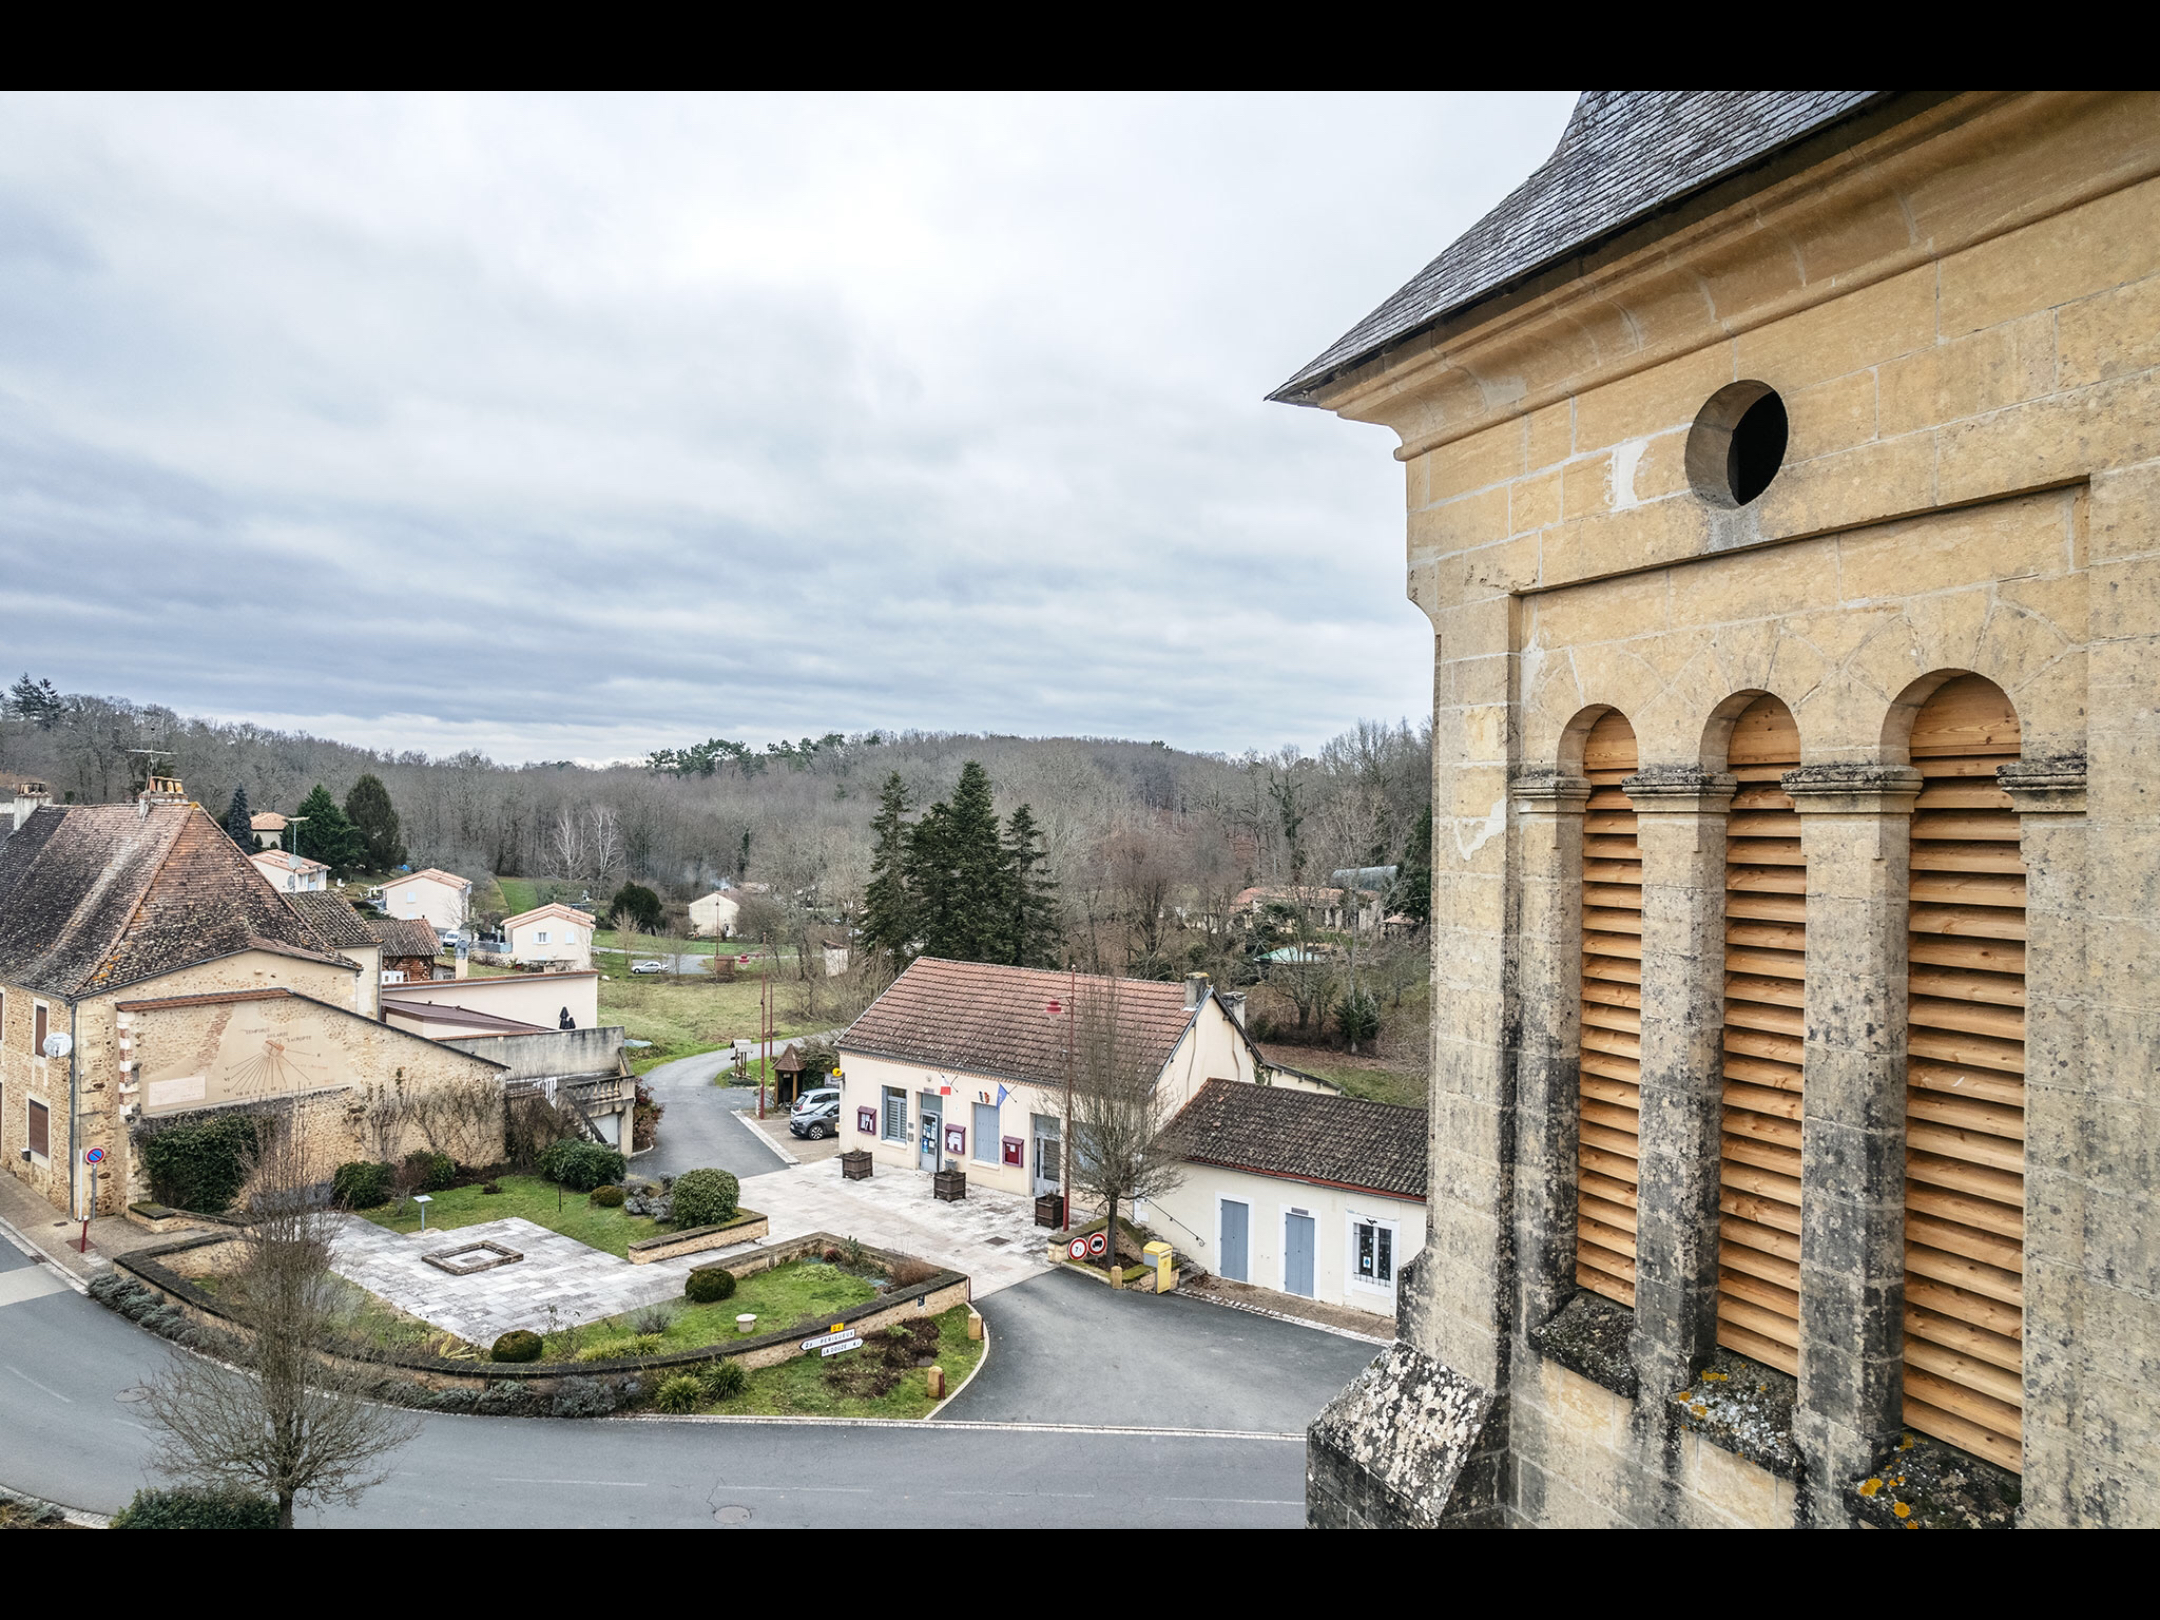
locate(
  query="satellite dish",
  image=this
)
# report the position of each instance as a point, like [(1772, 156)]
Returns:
[(59, 1045)]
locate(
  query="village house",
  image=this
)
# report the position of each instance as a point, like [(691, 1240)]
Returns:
[(150, 974), (524, 1001), (269, 829), (439, 899), (291, 874), (1782, 495), (550, 933), (409, 949), (968, 1061), (1324, 904), (345, 931), (1302, 1192), (712, 916)]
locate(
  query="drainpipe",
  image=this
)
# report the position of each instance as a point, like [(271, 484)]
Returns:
[(74, 1113)]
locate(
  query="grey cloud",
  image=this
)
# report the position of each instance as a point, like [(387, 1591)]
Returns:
[(577, 427)]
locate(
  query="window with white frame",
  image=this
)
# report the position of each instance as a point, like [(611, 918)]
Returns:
[(542, 936), (1372, 1253)]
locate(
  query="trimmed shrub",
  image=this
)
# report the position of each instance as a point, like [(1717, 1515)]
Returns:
[(194, 1509), (519, 1344), (580, 1165), (681, 1393), (607, 1197), (708, 1285), (584, 1397), (706, 1197), (606, 1350), (363, 1184), (429, 1172), (648, 1344), (724, 1380), (200, 1166)]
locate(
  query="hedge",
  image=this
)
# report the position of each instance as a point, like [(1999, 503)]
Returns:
[(580, 1165), (201, 1166), (195, 1509)]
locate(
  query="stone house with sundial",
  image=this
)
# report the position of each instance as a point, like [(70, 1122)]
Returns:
[(148, 972)]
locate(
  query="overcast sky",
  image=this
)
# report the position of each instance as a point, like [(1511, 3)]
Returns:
[(578, 427)]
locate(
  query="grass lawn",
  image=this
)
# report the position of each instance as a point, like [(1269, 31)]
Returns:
[(1374, 1085), (529, 1196), (798, 1388), (685, 1017), (804, 1293)]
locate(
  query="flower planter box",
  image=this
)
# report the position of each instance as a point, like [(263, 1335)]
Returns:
[(1050, 1210), (746, 1226), (855, 1164), (949, 1186)]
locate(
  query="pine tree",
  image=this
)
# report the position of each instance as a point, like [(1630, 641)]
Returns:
[(959, 868), (326, 835), (1032, 932), (238, 826), (889, 914), (1413, 884), (375, 818)]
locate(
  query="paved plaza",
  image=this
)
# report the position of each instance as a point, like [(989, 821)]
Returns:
[(990, 1236), (583, 1284)]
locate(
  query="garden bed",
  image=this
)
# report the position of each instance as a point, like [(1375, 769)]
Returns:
[(573, 1214), (744, 1226), (802, 1388), (803, 1296)]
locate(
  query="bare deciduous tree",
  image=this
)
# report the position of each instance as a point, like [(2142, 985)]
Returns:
[(1125, 1144), (283, 1421)]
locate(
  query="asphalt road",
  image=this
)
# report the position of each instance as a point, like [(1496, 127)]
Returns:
[(68, 1434), (700, 1129), (1067, 1350)]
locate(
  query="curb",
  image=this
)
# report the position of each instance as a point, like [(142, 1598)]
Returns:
[(38, 1256), (1294, 1321), (81, 1518), (981, 1362), (959, 1425)]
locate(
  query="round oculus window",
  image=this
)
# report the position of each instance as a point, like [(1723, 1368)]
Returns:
[(1737, 444)]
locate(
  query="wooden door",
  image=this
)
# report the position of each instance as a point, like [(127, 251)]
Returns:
[(1611, 1068), (1765, 954), (1965, 1081)]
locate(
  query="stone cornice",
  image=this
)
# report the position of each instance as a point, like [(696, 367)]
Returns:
[(1853, 789), (1677, 790), (2049, 786), (1541, 790)]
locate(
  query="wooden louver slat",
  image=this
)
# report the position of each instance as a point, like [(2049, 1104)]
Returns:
[(1764, 986), (1611, 1019), (1965, 1081)]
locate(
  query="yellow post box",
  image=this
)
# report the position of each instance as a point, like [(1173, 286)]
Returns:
[(1165, 1277)]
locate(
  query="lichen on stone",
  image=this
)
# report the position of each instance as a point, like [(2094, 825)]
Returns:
[(1745, 1408), (1589, 1335), (1926, 1485)]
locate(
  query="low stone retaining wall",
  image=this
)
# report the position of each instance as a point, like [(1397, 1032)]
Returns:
[(747, 1227), (168, 1303), (158, 1218)]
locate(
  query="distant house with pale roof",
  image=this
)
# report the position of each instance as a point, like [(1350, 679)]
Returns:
[(712, 916), (269, 829), (551, 933), (437, 898), (289, 873)]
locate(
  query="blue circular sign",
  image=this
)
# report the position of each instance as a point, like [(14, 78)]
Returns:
[(94, 1156)]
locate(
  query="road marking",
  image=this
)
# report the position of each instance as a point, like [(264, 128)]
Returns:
[(1233, 1501), (806, 1490), (618, 1484), (125, 1424), (964, 1426), (29, 1282), (34, 1384)]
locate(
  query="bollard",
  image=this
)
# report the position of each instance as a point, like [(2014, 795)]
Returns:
[(975, 1327), (937, 1383)]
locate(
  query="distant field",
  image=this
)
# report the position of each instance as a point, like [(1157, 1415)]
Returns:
[(1359, 1077), (684, 1017)]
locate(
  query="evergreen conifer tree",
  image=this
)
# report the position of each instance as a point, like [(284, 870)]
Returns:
[(237, 821), (958, 868), (1413, 884), (1032, 930), (375, 818), (326, 834), (889, 914)]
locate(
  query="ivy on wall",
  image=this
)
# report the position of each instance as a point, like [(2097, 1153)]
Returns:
[(200, 1165)]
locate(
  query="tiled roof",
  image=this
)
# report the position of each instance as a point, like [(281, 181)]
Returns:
[(93, 897), (1307, 1136), (285, 861), (404, 936), (554, 908), (432, 874), (435, 1012), (266, 821), (977, 1018), (1625, 155), (333, 918)]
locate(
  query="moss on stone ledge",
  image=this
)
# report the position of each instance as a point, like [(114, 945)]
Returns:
[(1745, 1408), (1589, 1335)]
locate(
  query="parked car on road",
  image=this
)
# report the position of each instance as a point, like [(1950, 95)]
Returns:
[(648, 967), (816, 1114)]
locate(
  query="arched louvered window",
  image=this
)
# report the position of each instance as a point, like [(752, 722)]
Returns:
[(1611, 1069), (1965, 1081), (1765, 953)]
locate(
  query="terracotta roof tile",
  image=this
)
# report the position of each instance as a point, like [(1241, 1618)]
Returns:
[(981, 1019), (333, 918), (1307, 1136), (404, 937)]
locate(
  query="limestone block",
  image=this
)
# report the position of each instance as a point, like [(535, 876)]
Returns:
[(1478, 462), (1534, 502), (1653, 400), (1966, 376), (1830, 417), (1864, 328), (2102, 244)]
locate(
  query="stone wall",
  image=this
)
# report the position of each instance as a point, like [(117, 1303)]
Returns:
[(1957, 311)]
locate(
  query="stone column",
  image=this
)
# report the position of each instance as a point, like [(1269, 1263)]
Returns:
[(2049, 797), (1680, 829), (1855, 833), (1549, 839)]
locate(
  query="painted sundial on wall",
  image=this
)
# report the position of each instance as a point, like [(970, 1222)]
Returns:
[(281, 1063)]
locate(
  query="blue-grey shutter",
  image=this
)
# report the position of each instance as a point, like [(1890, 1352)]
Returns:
[(1298, 1255), (1234, 1219), (895, 1115), (986, 1133)]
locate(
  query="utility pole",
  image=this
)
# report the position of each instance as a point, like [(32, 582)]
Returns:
[(1065, 1147)]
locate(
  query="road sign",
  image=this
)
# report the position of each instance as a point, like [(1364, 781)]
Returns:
[(1078, 1248), (1098, 1245), (842, 1348), (833, 1337), (94, 1156)]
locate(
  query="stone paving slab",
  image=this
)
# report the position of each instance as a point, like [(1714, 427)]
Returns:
[(584, 1284), (989, 1235)]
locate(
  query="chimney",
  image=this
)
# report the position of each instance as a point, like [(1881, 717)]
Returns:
[(164, 790), (1233, 1003), (1196, 985)]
